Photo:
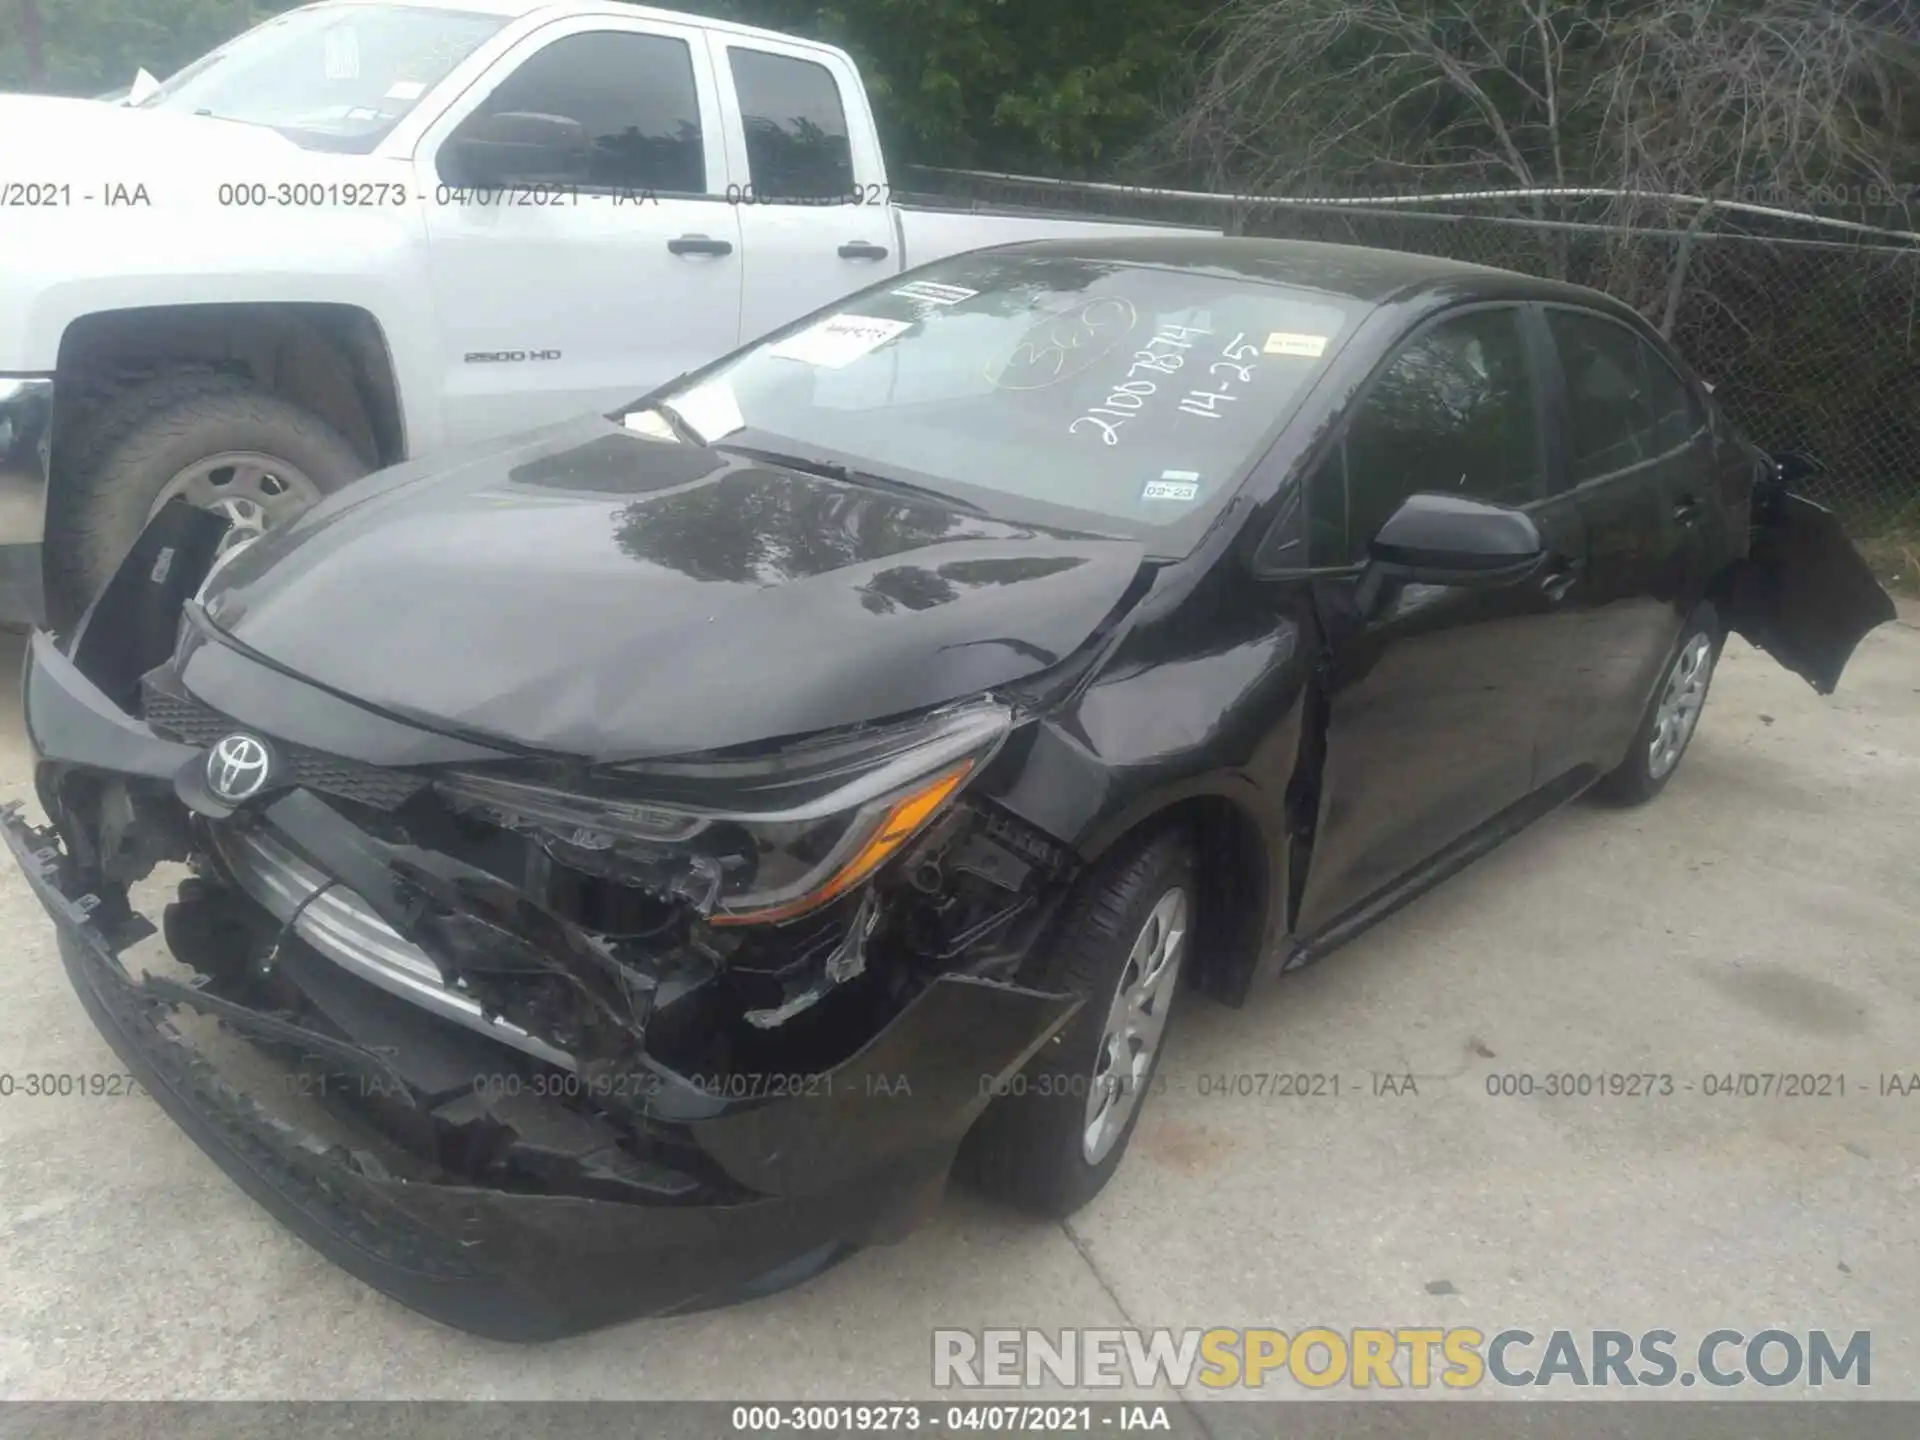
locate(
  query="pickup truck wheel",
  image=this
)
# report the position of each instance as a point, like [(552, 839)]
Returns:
[(219, 441), (1054, 1138), (1671, 715)]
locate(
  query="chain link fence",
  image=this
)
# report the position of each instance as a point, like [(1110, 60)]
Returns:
[(1808, 330)]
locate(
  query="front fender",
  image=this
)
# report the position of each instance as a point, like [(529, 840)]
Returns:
[(1213, 737)]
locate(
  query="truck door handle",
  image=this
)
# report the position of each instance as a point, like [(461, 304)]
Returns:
[(862, 250), (699, 245), (1560, 577)]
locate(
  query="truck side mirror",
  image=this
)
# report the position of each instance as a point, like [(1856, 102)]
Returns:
[(517, 147)]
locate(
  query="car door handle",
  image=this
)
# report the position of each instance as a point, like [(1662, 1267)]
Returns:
[(862, 250), (699, 245), (1687, 510)]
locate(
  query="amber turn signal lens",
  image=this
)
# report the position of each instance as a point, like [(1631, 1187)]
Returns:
[(902, 820)]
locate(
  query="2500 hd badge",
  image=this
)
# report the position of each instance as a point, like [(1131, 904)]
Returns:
[(506, 357)]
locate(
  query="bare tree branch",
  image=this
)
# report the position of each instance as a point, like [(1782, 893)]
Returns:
[(1792, 102)]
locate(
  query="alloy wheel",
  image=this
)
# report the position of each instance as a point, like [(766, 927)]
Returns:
[(1136, 1020), (1680, 704)]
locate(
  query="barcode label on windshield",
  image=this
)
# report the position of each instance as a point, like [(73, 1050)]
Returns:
[(934, 293)]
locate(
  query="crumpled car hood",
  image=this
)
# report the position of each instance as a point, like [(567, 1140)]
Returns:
[(590, 592)]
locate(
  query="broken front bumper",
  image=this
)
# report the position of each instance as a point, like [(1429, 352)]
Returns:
[(467, 1178)]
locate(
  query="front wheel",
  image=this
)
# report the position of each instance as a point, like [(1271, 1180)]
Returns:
[(1052, 1141), (1671, 716), (216, 441)]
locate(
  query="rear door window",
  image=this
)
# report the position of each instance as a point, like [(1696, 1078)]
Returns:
[(796, 127), (1677, 416), (1610, 415)]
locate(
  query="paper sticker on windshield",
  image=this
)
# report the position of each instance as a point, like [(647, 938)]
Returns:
[(1173, 485), (839, 341), (406, 90), (710, 410), (1286, 342), (934, 293)]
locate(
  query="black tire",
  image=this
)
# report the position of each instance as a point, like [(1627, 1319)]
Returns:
[(143, 437), (1026, 1149), (1634, 781)]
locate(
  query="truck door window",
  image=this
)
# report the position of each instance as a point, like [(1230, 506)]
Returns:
[(635, 97), (797, 143)]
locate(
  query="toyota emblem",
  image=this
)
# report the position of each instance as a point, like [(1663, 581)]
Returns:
[(237, 768)]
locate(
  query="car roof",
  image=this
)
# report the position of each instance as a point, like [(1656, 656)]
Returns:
[(1357, 272)]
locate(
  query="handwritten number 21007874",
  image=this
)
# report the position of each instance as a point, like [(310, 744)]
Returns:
[(1166, 355)]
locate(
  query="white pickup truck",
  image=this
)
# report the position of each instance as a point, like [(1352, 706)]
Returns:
[(367, 231)]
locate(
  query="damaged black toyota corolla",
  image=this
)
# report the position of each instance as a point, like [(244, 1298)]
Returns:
[(627, 867)]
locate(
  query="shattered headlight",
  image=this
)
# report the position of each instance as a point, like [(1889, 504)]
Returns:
[(754, 839)]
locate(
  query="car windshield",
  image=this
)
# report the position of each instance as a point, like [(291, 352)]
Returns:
[(1134, 396), (334, 78)]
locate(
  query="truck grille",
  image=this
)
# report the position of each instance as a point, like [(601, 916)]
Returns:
[(192, 723)]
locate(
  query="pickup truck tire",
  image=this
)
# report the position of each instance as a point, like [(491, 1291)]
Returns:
[(1048, 1144), (158, 435)]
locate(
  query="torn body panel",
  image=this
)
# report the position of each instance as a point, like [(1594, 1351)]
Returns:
[(1804, 594)]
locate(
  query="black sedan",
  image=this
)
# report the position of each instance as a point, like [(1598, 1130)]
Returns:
[(630, 866)]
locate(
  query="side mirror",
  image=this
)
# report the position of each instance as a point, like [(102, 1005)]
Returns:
[(517, 147), (1454, 540)]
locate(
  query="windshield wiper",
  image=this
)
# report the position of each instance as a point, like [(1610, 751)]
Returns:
[(848, 475), (205, 114)]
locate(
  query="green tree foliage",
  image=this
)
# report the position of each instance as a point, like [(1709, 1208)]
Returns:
[(1068, 85)]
